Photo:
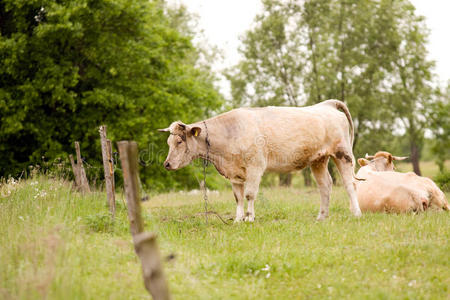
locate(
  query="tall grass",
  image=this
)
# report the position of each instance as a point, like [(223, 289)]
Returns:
[(57, 244)]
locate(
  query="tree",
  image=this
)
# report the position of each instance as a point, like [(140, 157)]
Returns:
[(67, 67), (439, 118), (269, 73), (412, 90), (369, 54), (350, 56)]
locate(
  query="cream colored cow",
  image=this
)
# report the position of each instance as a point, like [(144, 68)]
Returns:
[(246, 142), (384, 190)]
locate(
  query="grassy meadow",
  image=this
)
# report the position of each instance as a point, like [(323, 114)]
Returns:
[(57, 244)]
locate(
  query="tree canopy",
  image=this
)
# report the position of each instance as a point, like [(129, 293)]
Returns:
[(370, 54), (69, 66)]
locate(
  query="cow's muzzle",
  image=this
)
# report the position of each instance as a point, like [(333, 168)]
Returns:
[(167, 165)]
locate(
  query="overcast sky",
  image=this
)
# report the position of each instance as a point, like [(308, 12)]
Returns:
[(224, 22)]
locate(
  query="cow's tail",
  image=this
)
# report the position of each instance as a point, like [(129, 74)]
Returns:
[(341, 106)]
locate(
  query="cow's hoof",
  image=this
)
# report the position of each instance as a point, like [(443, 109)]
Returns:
[(357, 213), (249, 218), (238, 220), (321, 217)]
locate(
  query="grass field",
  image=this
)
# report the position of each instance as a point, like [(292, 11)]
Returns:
[(428, 168), (56, 244)]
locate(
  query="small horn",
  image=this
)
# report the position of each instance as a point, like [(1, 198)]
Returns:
[(399, 157), (164, 130), (369, 156)]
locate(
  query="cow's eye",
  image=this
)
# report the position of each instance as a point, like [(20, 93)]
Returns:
[(179, 142)]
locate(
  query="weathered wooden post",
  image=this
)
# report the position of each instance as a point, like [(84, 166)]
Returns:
[(108, 166), (81, 183), (84, 184), (144, 243), (76, 173)]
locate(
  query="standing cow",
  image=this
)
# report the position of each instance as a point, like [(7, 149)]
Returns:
[(245, 142)]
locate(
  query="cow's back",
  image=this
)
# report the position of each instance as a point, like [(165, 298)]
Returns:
[(293, 137), (282, 139), (376, 194), (399, 192)]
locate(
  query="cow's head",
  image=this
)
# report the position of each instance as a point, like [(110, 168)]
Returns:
[(381, 161), (439, 200), (436, 196), (183, 145)]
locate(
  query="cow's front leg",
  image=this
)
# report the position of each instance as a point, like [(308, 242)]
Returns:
[(250, 191), (238, 191)]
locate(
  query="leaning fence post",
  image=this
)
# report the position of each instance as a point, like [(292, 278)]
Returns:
[(76, 173), (144, 243), (84, 185), (108, 167)]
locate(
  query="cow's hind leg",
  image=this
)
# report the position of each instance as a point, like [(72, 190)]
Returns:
[(251, 188), (344, 163), (238, 191), (324, 183)]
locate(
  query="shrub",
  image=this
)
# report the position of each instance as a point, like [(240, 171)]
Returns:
[(101, 222), (443, 181)]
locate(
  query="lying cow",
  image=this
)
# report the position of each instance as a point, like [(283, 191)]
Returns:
[(245, 142), (384, 190)]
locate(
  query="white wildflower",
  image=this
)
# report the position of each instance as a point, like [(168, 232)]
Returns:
[(40, 194), (266, 268)]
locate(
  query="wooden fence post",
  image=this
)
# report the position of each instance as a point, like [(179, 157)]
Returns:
[(84, 184), (144, 243), (128, 159), (76, 173), (108, 167)]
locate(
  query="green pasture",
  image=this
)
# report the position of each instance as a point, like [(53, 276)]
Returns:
[(57, 244)]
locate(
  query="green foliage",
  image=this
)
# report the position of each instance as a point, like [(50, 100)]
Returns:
[(67, 67), (270, 73), (439, 117), (443, 181), (101, 222)]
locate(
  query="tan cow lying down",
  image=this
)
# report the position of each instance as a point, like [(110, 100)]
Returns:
[(245, 142), (384, 190)]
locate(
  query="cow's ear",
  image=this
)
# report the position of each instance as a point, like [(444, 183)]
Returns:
[(181, 126), (195, 131), (363, 162)]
